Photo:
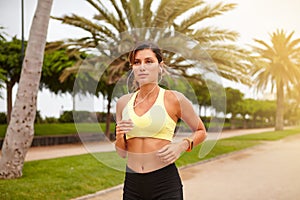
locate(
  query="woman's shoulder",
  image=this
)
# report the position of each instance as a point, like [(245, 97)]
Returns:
[(123, 100), (174, 95)]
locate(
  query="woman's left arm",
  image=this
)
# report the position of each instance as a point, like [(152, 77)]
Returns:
[(190, 117), (185, 111)]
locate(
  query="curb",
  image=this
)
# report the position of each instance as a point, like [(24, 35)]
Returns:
[(99, 193)]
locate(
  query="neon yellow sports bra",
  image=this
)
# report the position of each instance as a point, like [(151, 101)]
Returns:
[(155, 123)]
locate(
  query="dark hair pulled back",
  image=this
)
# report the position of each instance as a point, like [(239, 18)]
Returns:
[(146, 45)]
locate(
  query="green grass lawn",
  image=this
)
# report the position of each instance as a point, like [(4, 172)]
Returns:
[(63, 128), (74, 176)]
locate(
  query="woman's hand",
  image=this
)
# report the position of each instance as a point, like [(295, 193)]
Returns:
[(171, 152), (123, 127)]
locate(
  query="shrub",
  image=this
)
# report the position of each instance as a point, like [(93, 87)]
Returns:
[(66, 117), (101, 116), (3, 119), (78, 116), (38, 117), (50, 120)]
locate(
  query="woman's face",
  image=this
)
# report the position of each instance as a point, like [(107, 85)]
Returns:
[(145, 67)]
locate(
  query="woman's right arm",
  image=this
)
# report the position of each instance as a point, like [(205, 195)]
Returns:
[(122, 127)]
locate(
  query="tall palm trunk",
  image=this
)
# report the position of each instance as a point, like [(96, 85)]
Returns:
[(280, 107), (108, 121), (20, 130), (9, 88)]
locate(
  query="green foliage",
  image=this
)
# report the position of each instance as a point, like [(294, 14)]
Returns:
[(10, 65), (233, 99), (63, 128), (3, 118), (38, 118), (10, 60), (50, 120), (66, 117), (77, 116), (54, 64), (56, 61)]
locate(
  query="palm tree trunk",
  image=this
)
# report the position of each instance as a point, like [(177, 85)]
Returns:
[(280, 107), (9, 87), (20, 130), (200, 108), (73, 101), (245, 123), (108, 116), (232, 123)]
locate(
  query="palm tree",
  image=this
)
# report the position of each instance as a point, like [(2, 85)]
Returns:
[(111, 23), (20, 130), (117, 26), (279, 67)]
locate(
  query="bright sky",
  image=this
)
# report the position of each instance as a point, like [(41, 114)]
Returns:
[(252, 19)]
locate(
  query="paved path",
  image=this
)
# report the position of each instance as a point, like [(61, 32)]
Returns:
[(270, 171), (267, 172)]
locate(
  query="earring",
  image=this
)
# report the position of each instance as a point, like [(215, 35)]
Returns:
[(161, 72)]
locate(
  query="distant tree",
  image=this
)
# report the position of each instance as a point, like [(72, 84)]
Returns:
[(248, 108), (20, 130), (266, 111), (202, 93), (218, 95), (11, 65), (234, 99), (279, 67)]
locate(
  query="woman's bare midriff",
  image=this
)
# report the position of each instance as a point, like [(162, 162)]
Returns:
[(142, 154)]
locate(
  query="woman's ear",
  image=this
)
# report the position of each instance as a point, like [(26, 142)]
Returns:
[(161, 64), (161, 70)]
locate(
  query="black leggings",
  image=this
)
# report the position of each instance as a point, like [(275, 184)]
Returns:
[(161, 184)]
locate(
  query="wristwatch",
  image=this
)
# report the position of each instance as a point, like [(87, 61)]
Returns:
[(191, 144)]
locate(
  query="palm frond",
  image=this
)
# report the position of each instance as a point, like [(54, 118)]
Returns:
[(105, 14), (282, 66), (147, 13), (204, 13), (212, 34)]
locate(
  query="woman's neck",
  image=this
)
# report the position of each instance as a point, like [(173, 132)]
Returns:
[(148, 88)]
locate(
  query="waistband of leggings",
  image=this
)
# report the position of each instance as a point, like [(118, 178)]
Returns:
[(129, 170)]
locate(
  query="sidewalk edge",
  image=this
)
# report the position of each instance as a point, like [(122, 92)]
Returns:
[(99, 193)]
